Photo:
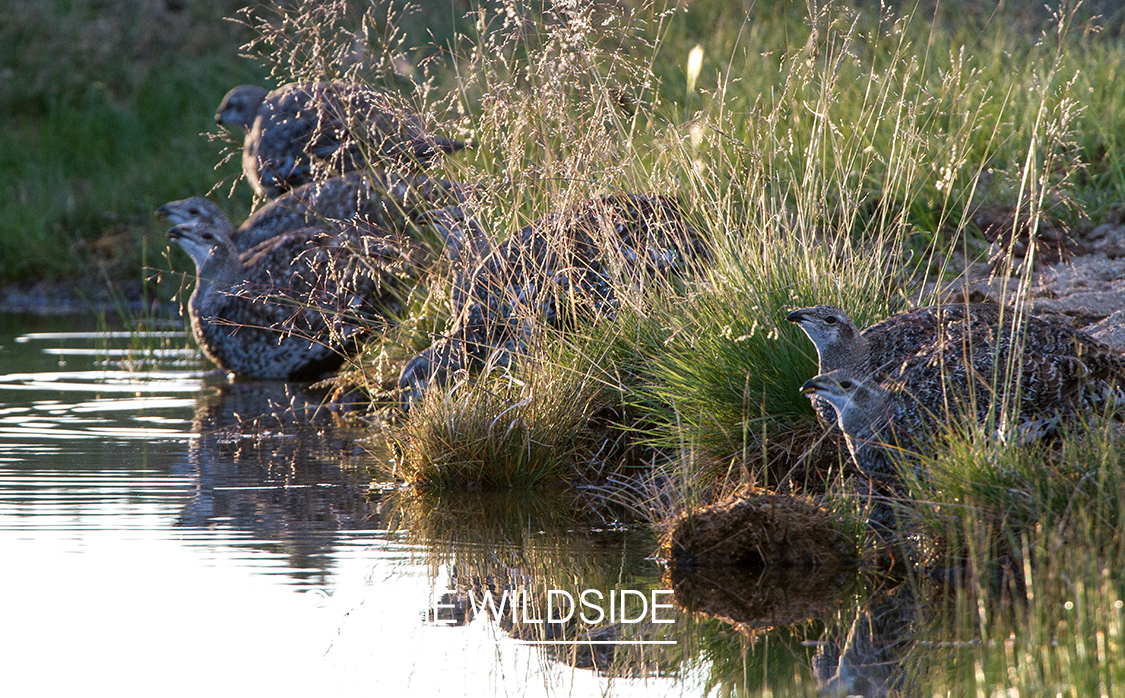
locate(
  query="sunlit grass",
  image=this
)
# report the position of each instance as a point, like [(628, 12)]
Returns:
[(1033, 542), (834, 162), (502, 433), (844, 183)]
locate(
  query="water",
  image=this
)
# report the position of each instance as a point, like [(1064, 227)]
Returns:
[(166, 534)]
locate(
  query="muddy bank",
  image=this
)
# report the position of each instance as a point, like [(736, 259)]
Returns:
[(71, 297)]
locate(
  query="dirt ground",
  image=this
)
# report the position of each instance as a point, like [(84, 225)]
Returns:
[(1078, 280)]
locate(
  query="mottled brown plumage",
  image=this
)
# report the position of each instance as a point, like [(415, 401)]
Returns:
[(1022, 377), (884, 345), (360, 199), (302, 132), (551, 271), (289, 307), (375, 198), (1028, 367)]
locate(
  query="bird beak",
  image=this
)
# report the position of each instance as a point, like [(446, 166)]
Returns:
[(795, 316), (810, 386), (165, 213)]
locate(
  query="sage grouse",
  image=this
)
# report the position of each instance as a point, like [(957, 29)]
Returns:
[(289, 307), (560, 267), (301, 130), (840, 344), (1022, 374), (884, 345)]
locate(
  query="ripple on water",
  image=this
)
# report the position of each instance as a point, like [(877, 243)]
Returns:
[(132, 412), (154, 521), (105, 381), (65, 459)]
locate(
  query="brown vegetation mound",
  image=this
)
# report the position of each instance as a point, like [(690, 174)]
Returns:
[(759, 531), (759, 560), (763, 599)]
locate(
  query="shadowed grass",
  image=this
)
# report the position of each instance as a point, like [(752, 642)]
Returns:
[(102, 126)]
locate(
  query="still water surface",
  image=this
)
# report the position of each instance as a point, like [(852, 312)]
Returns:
[(166, 534)]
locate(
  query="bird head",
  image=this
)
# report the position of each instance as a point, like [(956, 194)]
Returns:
[(836, 337), (240, 106), (200, 227), (859, 402)]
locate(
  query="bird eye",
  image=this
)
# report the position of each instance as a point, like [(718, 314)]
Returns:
[(192, 210), (846, 385), (207, 236), (831, 319)]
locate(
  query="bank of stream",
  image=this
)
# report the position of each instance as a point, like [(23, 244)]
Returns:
[(158, 518)]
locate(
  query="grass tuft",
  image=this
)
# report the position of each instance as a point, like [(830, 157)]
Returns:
[(503, 433)]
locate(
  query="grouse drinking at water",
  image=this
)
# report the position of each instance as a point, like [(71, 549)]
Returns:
[(289, 308)]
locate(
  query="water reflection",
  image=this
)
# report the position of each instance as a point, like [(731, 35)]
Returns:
[(791, 632), (516, 561), (154, 516), (277, 461), (778, 568), (144, 526)]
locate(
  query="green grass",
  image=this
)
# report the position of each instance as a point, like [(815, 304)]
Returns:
[(832, 161), (827, 154), (501, 433), (1034, 539), (838, 158), (105, 124)]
